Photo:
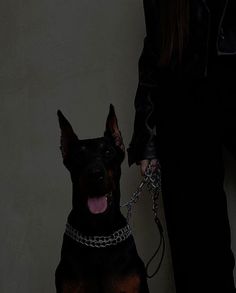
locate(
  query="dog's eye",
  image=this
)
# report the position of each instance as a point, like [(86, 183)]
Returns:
[(82, 149), (108, 152)]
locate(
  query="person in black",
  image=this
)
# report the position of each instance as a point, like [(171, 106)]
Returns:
[(184, 116)]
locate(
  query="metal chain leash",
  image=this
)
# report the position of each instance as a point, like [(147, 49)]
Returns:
[(152, 179), (134, 198)]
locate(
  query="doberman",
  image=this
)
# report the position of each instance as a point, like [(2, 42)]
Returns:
[(98, 253)]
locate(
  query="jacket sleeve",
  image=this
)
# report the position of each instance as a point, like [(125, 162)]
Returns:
[(142, 145)]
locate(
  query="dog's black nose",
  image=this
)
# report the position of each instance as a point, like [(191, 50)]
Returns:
[(97, 174)]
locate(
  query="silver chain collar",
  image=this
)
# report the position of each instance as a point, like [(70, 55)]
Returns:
[(99, 241)]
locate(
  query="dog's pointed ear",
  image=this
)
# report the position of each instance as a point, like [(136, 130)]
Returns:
[(68, 137), (112, 128)]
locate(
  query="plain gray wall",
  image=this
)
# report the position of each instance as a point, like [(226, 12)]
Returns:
[(77, 56)]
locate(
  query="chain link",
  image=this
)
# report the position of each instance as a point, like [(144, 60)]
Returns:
[(152, 178), (98, 241)]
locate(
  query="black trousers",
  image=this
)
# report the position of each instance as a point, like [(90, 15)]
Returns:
[(194, 120)]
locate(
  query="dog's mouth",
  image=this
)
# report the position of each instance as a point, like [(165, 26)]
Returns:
[(99, 204)]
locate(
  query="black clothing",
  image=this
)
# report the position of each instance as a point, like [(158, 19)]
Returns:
[(184, 116), (189, 145), (212, 38)]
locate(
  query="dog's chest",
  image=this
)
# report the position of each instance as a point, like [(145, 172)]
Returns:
[(113, 284)]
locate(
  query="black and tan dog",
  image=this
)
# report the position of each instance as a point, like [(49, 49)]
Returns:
[(98, 253)]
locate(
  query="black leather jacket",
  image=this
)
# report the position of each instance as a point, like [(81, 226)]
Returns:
[(210, 36)]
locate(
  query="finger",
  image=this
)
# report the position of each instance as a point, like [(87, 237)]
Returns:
[(143, 166), (153, 165)]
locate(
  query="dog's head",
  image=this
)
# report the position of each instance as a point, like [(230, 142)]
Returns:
[(94, 165)]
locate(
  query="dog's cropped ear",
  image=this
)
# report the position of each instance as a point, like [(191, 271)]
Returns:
[(68, 137), (112, 129)]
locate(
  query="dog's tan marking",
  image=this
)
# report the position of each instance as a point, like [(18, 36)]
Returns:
[(130, 284), (74, 287)]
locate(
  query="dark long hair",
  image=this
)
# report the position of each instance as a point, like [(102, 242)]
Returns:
[(174, 22)]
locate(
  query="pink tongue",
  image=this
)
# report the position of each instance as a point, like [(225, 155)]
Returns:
[(97, 205)]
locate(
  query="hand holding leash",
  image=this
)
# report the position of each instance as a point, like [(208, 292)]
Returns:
[(144, 164)]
